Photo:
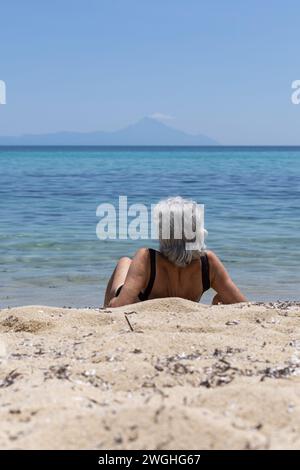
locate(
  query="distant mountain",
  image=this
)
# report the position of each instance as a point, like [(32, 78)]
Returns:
[(147, 131)]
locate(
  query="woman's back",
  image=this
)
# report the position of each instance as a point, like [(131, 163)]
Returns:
[(174, 281), (133, 279)]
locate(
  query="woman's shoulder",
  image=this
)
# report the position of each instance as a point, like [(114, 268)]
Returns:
[(215, 264), (142, 254), (212, 258), (142, 251)]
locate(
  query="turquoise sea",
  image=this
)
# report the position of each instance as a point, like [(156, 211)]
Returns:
[(49, 252)]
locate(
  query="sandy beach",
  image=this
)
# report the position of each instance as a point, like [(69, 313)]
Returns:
[(176, 375)]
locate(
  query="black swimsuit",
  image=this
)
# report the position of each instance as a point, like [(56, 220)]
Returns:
[(145, 294)]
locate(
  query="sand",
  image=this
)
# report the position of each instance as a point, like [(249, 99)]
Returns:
[(188, 376)]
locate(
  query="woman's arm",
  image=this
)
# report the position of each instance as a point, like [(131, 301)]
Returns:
[(135, 281), (221, 282)]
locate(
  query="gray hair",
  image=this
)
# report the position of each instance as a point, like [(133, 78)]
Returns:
[(181, 230)]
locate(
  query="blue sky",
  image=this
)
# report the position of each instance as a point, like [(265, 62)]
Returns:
[(221, 68)]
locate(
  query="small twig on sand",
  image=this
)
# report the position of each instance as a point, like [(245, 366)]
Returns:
[(9, 379), (128, 322)]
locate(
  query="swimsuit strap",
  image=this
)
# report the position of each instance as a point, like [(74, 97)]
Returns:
[(144, 295), (205, 271)]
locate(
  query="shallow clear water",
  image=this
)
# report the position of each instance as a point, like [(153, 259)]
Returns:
[(49, 252)]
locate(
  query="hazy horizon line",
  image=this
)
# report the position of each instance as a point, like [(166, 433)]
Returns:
[(210, 147)]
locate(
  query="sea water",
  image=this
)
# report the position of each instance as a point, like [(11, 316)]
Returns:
[(49, 251)]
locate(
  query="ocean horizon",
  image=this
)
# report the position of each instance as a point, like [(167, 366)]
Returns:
[(139, 147), (49, 251)]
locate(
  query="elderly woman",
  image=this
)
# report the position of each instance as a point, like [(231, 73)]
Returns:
[(176, 270)]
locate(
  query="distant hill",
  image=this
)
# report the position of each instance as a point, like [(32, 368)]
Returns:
[(147, 131)]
